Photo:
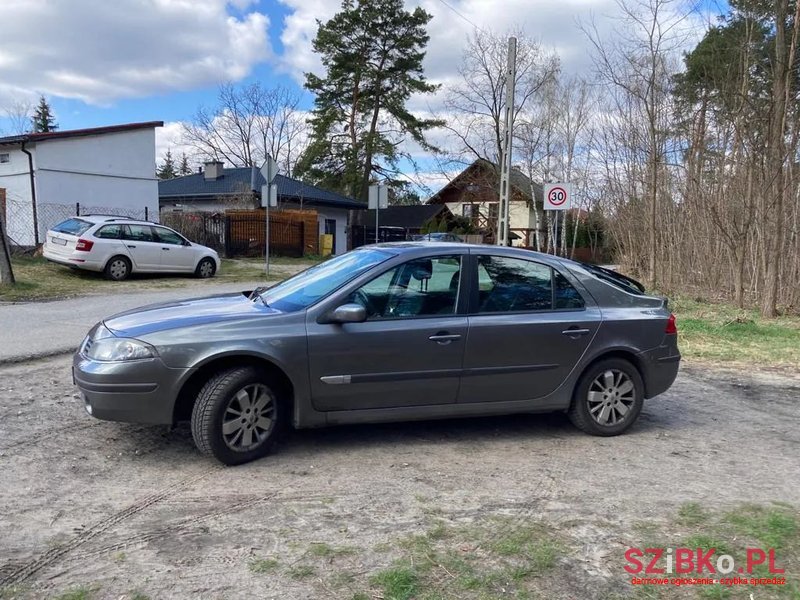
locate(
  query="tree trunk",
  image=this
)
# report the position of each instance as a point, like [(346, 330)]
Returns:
[(6, 272)]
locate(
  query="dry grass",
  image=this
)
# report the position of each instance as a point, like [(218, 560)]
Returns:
[(39, 280)]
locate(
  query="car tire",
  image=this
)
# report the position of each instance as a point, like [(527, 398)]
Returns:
[(118, 268), (237, 417), (608, 398), (206, 268)]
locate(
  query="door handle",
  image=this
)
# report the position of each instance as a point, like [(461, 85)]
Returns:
[(575, 332), (164, 248), (444, 338), (130, 246)]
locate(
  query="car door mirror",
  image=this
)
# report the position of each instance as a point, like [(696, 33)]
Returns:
[(347, 313)]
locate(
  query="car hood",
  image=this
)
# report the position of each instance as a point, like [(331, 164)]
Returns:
[(186, 313)]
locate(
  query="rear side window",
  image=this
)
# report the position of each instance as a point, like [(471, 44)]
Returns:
[(138, 233), (517, 285), (73, 226), (109, 232)]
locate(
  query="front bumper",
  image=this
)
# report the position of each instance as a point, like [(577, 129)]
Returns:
[(138, 391)]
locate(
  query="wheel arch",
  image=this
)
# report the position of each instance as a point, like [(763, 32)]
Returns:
[(621, 353), (186, 397)]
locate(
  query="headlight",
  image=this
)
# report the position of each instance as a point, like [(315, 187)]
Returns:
[(119, 349)]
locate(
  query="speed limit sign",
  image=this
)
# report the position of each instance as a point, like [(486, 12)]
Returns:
[(557, 196)]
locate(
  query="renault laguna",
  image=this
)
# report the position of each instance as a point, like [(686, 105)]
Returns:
[(389, 332)]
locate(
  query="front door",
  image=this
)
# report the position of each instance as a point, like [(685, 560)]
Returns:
[(408, 352), (142, 246), (528, 327), (176, 255)]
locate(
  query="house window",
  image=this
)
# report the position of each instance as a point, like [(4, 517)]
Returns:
[(494, 210), (4, 158), (469, 211)]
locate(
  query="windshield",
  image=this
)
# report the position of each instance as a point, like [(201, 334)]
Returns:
[(304, 289), (72, 226)]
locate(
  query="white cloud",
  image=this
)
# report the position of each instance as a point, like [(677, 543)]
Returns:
[(100, 51)]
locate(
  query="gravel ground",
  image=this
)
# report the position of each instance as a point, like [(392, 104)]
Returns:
[(121, 508)]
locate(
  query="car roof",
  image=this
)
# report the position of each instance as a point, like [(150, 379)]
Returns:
[(97, 219), (421, 246)]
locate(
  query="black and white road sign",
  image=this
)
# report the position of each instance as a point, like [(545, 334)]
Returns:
[(557, 196)]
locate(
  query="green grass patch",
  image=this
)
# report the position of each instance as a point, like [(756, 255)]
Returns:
[(300, 572), (499, 557), (78, 593), (262, 565), (720, 332)]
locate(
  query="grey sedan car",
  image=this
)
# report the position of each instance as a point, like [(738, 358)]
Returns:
[(389, 332)]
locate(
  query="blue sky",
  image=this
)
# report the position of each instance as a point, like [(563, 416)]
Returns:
[(101, 62)]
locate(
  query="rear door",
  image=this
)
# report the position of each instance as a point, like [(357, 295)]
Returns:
[(175, 254), (528, 327), (142, 247)]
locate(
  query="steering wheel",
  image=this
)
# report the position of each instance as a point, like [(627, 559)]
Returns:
[(364, 300)]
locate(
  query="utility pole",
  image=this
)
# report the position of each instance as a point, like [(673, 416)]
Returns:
[(503, 233), (6, 272)]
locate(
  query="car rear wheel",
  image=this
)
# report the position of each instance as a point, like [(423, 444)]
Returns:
[(206, 268), (608, 398), (237, 416), (117, 268)]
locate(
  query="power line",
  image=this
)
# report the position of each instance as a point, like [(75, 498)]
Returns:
[(460, 15)]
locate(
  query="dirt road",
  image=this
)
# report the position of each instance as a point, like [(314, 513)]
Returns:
[(114, 510)]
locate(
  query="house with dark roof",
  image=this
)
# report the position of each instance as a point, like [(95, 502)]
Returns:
[(474, 193), (104, 169), (216, 189)]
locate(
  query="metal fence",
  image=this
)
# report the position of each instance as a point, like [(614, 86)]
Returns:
[(21, 225), (239, 234)]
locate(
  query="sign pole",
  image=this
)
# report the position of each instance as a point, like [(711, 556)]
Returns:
[(269, 169)]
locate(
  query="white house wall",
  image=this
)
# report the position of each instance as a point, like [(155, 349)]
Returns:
[(340, 216), (111, 172), (15, 179)]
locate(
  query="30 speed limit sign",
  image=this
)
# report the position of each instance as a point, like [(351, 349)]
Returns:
[(557, 196)]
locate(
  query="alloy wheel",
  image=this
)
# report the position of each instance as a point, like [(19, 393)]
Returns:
[(249, 418), (611, 396)]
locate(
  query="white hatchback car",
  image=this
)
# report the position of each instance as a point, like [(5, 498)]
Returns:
[(118, 246)]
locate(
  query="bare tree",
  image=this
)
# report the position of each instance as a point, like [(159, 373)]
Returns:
[(638, 61), (18, 114), (475, 104), (248, 123)]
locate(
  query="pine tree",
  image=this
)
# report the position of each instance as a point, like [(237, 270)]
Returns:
[(43, 120), (372, 51), (184, 168), (167, 168)]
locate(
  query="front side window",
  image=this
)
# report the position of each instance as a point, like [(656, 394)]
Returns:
[(138, 233), (417, 288), (306, 288), (515, 285), (167, 236)]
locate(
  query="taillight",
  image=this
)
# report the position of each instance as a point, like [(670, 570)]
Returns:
[(84, 245), (672, 326)]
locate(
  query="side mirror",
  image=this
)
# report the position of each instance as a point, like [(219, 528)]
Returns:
[(347, 313)]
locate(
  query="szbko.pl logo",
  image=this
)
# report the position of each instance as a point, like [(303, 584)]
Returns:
[(655, 566)]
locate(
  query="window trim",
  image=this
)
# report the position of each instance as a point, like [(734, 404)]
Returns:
[(462, 299), (475, 291)]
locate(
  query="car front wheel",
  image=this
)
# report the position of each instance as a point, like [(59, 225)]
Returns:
[(206, 268), (608, 398), (237, 416)]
